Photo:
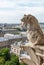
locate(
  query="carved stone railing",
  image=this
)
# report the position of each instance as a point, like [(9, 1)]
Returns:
[(36, 54)]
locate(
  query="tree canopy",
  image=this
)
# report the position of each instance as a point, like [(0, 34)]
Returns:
[(6, 58)]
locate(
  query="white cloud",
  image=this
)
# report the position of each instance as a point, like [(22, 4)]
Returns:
[(11, 11), (14, 3), (15, 16), (7, 4)]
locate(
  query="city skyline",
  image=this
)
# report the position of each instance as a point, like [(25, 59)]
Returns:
[(11, 11)]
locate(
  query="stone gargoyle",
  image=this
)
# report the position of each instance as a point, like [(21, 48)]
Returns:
[(35, 47)]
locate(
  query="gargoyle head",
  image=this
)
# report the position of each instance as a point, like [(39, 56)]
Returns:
[(29, 20)]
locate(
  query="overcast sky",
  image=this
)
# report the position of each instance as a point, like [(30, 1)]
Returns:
[(11, 11)]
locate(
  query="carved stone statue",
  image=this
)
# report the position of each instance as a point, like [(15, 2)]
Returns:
[(35, 46), (34, 32)]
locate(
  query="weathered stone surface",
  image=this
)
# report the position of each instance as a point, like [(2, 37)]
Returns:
[(34, 32), (35, 48)]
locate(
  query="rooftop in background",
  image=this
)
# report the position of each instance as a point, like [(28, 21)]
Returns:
[(11, 36), (3, 39)]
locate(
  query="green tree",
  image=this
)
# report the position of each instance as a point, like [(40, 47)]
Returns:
[(18, 29), (15, 59), (5, 52), (2, 61), (9, 63), (9, 59)]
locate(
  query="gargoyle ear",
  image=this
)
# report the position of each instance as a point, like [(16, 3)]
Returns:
[(24, 14), (29, 16)]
